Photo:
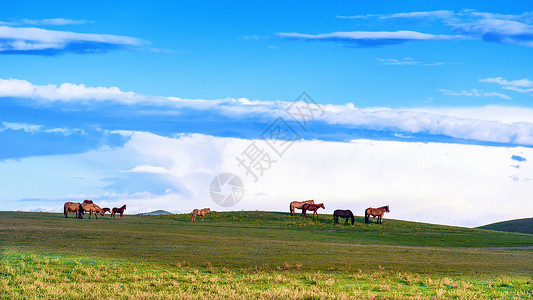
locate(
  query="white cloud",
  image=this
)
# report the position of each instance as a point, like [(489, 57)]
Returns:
[(522, 86), (468, 24), (21, 126), (55, 21), (409, 15), (380, 119), (24, 40), (65, 92), (474, 93), (406, 61), (372, 38), (421, 14), (429, 182)]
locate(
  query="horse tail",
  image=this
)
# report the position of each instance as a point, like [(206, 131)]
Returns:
[(353, 219), (65, 210), (367, 216), (290, 209), (335, 218)]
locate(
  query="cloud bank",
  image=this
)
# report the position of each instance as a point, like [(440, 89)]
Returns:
[(429, 182), (248, 118)]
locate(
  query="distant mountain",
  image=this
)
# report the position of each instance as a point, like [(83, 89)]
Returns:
[(156, 213), (519, 225)]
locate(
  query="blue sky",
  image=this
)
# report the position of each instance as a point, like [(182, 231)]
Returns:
[(83, 85)]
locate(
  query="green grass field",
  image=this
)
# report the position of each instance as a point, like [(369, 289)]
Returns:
[(256, 255)]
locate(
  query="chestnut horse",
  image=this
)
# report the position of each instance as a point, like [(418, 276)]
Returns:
[(106, 209), (376, 212), (118, 210), (73, 207), (199, 212), (312, 207), (91, 208), (298, 205), (343, 214)]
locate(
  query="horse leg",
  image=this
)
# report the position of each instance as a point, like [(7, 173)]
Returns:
[(121, 216)]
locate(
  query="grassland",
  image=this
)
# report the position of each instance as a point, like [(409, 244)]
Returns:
[(256, 255)]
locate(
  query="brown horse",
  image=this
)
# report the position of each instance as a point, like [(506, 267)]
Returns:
[(73, 207), (376, 212), (298, 205), (118, 210), (312, 207), (106, 209), (91, 208), (199, 212)]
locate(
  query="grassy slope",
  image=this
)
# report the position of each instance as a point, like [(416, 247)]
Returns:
[(250, 239), (519, 225), (255, 255)]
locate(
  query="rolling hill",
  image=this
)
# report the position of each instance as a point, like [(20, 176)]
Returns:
[(519, 225)]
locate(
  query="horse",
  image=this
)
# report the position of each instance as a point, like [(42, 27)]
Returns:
[(343, 214), (106, 209), (88, 201), (91, 208), (313, 207), (298, 205), (118, 210), (199, 212), (376, 212), (72, 207)]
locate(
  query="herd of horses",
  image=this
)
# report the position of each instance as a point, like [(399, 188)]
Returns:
[(88, 206), (309, 205)]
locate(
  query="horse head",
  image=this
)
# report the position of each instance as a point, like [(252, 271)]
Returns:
[(321, 205), (387, 208)]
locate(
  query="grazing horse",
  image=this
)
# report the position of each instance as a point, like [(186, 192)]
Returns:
[(298, 205), (118, 210), (343, 214), (88, 201), (73, 207), (91, 208), (106, 209), (199, 212), (376, 212), (313, 207)]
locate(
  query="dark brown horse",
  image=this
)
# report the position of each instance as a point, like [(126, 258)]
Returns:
[(312, 207), (298, 205), (343, 214), (106, 209), (73, 207), (118, 210), (376, 212)]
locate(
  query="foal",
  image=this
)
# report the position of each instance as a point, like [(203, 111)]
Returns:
[(118, 210), (313, 207)]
